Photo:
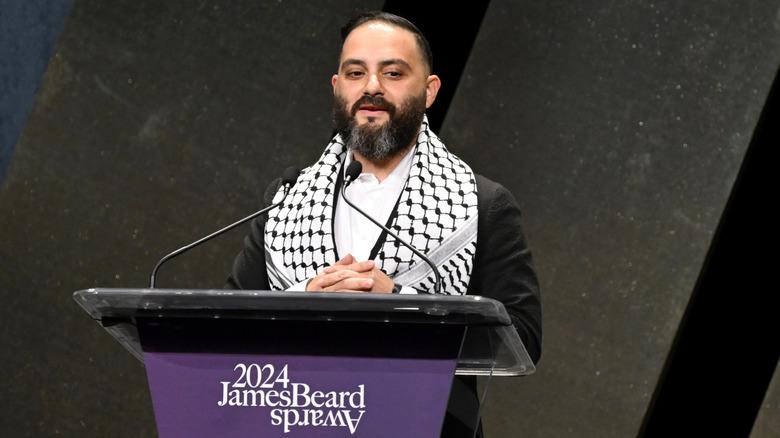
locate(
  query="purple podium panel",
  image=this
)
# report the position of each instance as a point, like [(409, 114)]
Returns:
[(237, 395), (307, 379)]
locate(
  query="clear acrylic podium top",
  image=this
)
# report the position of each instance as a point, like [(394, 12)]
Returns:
[(491, 345)]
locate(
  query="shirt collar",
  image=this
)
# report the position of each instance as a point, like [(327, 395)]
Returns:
[(399, 174)]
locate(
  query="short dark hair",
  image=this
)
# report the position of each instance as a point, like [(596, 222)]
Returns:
[(393, 20)]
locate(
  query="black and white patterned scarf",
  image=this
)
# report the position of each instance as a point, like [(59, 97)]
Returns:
[(436, 213)]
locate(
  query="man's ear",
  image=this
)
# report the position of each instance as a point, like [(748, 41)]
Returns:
[(431, 90), (333, 82)]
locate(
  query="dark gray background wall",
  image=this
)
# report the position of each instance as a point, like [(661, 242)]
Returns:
[(622, 127), (28, 31)]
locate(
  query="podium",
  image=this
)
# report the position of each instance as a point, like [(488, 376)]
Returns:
[(236, 363)]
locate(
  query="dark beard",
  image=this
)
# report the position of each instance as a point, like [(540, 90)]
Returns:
[(384, 141)]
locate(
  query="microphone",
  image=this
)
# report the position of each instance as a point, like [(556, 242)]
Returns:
[(289, 176), (353, 170)]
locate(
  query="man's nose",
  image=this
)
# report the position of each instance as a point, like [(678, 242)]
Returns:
[(373, 86)]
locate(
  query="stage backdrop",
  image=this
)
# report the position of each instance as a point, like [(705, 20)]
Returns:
[(620, 126)]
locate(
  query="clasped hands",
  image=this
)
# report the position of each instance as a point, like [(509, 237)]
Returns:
[(349, 275)]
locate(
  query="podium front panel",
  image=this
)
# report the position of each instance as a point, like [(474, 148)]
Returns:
[(298, 378)]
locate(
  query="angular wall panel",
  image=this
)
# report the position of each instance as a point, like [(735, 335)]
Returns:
[(620, 126), (156, 123), (768, 420)]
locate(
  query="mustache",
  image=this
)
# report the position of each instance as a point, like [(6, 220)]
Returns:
[(377, 101)]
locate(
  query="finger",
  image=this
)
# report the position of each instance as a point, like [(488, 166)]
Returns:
[(346, 260), (362, 267), (328, 279), (351, 284)]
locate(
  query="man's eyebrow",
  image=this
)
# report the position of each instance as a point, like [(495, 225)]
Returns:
[(350, 62), (396, 61), (384, 63)]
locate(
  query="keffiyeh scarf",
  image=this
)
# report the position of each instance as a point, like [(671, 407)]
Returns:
[(436, 213)]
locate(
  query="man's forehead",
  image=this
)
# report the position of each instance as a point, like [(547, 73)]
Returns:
[(377, 38)]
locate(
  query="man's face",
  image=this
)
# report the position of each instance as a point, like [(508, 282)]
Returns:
[(383, 86)]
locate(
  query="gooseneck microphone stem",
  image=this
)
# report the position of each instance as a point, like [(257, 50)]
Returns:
[(353, 170), (288, 180)]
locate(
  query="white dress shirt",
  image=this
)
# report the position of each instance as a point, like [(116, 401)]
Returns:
[(354, 233)]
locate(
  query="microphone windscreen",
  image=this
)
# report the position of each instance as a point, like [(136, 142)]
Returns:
[(289, 176), (353, 170)]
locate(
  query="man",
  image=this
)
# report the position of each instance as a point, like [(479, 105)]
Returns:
[(466, 224)]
